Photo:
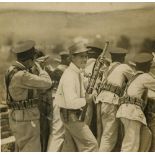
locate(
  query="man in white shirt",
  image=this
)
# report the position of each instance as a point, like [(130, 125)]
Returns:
[(71, 98), (113, 87)]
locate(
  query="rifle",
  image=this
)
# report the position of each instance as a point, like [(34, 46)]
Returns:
[(93, 78)]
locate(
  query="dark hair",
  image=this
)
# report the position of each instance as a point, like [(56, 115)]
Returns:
[(145, 66), (93, 55), (94, 52), (118, 57), (26, 55)]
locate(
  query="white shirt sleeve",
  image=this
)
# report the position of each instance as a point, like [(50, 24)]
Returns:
[(149, 82), (151, 94)]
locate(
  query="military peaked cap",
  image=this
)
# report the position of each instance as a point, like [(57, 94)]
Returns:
[(23, 46), (143, 57), (118, 50), (64, 53)]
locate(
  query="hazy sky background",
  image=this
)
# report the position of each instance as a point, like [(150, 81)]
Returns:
[(75, 7)]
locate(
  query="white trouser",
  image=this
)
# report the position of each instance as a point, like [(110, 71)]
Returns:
[(131, 140), (109, 126), (80, 135), (56, 137)]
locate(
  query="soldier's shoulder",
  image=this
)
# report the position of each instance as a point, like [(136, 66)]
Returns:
[(147, 76), (151, 74), (15, 71), (125, 66), (20, 73)]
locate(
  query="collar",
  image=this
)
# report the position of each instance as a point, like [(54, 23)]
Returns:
[(114, 63), (73, 67), (62, 67), (139, 72), (90, 61), (20, 65)]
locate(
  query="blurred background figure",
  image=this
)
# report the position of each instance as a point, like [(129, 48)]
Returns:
[(45, 100), (57, 129)]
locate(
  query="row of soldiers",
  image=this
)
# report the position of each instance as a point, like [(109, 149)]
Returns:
[(46, 105)]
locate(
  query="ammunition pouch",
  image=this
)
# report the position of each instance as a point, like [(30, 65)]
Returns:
[(132, 100), (114, 89), (22, 105), (70, 115)]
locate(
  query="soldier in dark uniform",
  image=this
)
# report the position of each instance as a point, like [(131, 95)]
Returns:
[(22, 98)]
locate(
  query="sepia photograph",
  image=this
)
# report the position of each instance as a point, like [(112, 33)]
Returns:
[(77, 77)]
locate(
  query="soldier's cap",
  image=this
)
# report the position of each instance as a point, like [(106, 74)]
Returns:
[(64, 53), (57, 60), (143, 57), (118, 50), (23, 46), (93, 50), (77, 48), (43, 58), (131, 63)]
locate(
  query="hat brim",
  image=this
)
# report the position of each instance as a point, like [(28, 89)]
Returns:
[(57, 60), (118, 51), (143, 58), (43, 58), (80, 51), (64, 53)]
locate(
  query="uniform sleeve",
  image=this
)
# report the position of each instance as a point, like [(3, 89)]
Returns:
[(70, 94), (151, 94), (149, 82), (128, 72), (31, 81)]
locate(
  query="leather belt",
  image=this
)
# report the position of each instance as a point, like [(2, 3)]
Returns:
[(132, 100), (114, 89), (70, 114), (25, 104)]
